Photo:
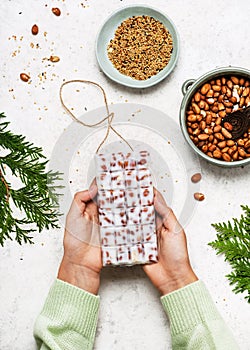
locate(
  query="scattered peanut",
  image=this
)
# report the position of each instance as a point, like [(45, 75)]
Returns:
[(34, 29), (56, 11), (24, 77), (199, 196), (196, 178), (54, 59)]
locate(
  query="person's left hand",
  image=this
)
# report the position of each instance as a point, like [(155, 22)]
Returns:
[(82, 263)]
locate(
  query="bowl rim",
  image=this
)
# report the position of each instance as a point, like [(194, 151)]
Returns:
[(196, 83), (148, 83)]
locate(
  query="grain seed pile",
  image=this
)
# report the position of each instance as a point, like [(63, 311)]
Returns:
[(142, 46)]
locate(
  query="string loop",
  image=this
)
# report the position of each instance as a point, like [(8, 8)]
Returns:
[(109, 118)]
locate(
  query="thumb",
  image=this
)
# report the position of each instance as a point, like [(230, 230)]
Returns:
[(168, 218), (160, 203), (93, 189)]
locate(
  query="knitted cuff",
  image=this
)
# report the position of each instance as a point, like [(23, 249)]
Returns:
[(75, 308), (189, 306)]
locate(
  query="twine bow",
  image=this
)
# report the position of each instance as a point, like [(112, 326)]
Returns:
[(109, 117)]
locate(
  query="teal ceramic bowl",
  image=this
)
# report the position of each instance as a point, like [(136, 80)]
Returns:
[(107, 33), (189, 88)]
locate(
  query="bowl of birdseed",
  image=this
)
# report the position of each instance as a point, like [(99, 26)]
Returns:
[(137, 46)]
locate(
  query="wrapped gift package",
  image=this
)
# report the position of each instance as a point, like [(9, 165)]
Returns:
[(126, 209)]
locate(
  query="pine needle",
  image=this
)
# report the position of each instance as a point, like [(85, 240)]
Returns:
[(233, 240), (36, 199)]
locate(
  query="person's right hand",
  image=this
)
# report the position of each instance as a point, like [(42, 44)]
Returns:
[(173, 270)]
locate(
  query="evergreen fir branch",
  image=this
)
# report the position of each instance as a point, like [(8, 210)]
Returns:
[(233, 240), (36, 199), (17, 143)]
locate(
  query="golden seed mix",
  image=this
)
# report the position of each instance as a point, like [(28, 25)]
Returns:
[(142, 46)]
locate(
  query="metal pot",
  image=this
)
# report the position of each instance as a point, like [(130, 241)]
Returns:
[(189, 88)]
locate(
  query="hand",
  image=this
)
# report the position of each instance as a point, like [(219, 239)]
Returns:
[(81, 263), (173, 270)]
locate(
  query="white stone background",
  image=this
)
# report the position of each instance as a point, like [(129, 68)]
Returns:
[(212, 34)]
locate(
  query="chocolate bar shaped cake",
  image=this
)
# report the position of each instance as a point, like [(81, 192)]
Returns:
[(126, 210)]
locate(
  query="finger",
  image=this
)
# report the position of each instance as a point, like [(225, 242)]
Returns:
[(92, 211), (81, 199), (168, 217)]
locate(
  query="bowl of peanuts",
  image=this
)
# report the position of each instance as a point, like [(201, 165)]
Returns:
[(215, 116)]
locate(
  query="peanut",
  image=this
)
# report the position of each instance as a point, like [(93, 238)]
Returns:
[(205, 88), (226, 157), (226, 133), (242, 153), (230, 143), (228, 126), (241, 82), (196, 178), (217, 154), (208, 119), (199, 196), (222, 144), (247, 144), (235, 80), (210, 93), (217, 128), (240, 142), (222, 114), (203, 137), (56, 11), (245, 92), (197, 97), (216, 87), (202, 124), (54, 59), (24, 77), (235, 155), (242, 101), (224, 89), (196, 108), (218, 121), (212, 148), (192, 118), (34, 29)]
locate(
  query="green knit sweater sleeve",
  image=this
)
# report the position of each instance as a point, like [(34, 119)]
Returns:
[(68, 319), (194, 320)]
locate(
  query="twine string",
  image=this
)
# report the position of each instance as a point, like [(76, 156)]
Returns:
[(109, 118)]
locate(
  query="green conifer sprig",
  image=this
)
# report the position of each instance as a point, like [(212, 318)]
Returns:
[(36, 199), (233, 240)]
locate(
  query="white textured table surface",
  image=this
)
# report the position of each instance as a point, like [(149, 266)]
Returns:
[(212, 35)]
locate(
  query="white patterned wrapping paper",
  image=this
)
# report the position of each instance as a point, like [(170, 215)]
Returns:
[(126, 210)]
